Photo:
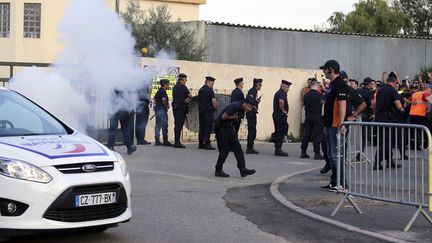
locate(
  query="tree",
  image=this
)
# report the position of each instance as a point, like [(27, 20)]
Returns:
[(372, 17), (155, 31), (420, 13)]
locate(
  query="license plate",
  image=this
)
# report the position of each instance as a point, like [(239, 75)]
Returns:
[(95, 199)]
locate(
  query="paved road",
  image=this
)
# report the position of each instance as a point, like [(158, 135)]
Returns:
[(176, 198)]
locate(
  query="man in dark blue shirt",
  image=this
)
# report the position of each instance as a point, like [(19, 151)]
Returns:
[(237, 95), (280, 117), (251, 116), (313, 101), (181, 100), (207, 106), (227, 139), (161, 110)]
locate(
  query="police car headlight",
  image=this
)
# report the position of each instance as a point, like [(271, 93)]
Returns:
[(123, 166), (23, 170)]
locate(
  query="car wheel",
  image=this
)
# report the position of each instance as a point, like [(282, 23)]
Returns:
[(94, 230)]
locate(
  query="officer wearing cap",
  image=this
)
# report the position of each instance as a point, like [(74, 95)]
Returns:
[(181, 100), (207, 105), (367, 115), (280, 116), (251, 116), (161, 111), (313, 101), (227, 139), (237, 95)]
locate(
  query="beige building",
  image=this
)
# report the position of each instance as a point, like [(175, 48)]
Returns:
[(28, 28)]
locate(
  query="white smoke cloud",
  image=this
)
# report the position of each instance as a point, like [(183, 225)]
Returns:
[(98, 57)]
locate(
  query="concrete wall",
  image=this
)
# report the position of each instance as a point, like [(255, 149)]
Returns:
[(360, 56), (225, 74)]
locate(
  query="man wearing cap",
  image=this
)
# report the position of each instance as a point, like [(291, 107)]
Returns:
[(161, 111), (142, 113), (237, 95), (181, 100), (313, 101), (335, 109), (251, 116), (366, 93), (207, 106), (227, 139), (280, 116)]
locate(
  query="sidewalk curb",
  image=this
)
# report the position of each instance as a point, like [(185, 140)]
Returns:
[(274, 190)]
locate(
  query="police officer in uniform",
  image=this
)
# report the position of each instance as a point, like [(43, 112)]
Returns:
[(388, 109), (124, 115), (313, 102), (142, 114), (161, 111), (237, 95), (227, 139), (207, 106), (251, 116), (280, 116), (181, 100)]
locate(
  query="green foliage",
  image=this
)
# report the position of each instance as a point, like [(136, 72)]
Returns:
[(155, 30), (372, 17), (420, 13), (426, 74)]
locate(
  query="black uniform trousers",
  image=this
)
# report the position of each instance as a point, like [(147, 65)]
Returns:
[(385, 148), (125, 119), (281, 128), (142, 116), (179, 121), (205, 126), (227, 141), (313, 127), (252, 122)]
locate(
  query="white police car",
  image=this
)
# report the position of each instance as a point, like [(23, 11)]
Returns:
[(54, 178)]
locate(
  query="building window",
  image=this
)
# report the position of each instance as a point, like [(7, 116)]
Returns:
[(32, 20), (4, 19)]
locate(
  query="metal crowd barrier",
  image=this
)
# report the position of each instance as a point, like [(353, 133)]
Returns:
[(403, 144)]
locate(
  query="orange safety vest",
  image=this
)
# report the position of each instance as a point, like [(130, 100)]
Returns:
[(418, 107)]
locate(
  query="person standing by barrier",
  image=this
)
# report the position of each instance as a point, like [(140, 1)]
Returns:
[(123, 114), (237, 95), (367, 115), (227, 139), (161, 112), (142, 113), (207, 105), (313, 102), (388, 109), (334, 115), (418, 111), (181, 100), (251, 116), (280, 116)]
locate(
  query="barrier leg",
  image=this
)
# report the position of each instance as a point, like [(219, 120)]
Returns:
[(342, 201), (414, 217), (426, 215)]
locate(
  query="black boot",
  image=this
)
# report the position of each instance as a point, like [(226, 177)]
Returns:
[(132, 149), (245, 172), (318, 156), (178, 144), (208, 147), (251, 151), (279, 152), (157, 143), (325, 169), (304, 155), (221, 173)]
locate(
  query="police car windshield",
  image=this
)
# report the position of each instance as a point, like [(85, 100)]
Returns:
[(21, 117)]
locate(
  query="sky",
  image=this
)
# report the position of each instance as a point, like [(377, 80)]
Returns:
[(300, 14)]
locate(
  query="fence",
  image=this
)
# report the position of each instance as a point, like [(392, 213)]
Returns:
[(402, 179)]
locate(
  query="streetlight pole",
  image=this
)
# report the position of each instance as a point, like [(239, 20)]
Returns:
[(117, 6)]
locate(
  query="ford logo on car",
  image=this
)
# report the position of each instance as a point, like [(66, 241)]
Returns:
[(89, 168)]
